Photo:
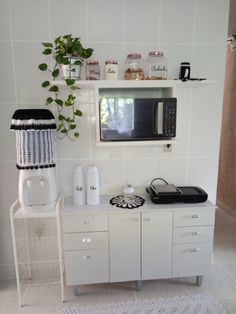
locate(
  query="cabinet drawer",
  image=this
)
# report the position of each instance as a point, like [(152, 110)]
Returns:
[(84, 267), (85, 223), (191, 259), (194, 217), (86, 241), (193, 235)]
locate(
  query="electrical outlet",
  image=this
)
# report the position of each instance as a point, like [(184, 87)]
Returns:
[(40, 229), (167, 148)]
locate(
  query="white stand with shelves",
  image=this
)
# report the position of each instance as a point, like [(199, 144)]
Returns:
[(36, 261)]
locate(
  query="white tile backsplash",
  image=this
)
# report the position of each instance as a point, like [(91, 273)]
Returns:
[(30, 20), (177, 21), (186, 30), (141, 23)]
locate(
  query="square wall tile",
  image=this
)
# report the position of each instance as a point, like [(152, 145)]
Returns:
[(28, 55), (173, 170), (9, 187), (7, 271), (105, 20), (7, 89), (68, 18), (141, 22), (8, 139), (5, 20), (211, 19), (205, 129), (30, 20), (203, 172), (177, 21), (140, 151), (139, 173)]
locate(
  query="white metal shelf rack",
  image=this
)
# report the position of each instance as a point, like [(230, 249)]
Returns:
[(37, 251)]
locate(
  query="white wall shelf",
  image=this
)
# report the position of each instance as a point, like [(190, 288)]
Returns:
[(136, 83)]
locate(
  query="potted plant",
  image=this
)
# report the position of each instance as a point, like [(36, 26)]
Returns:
[(68, 56)]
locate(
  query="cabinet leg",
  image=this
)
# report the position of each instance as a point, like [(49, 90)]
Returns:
[(139, 285), (76, 290), (199, 280)]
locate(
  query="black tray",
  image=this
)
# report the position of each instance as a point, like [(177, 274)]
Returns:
[(189, 194)]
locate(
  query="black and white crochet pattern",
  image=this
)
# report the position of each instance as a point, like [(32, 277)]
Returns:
[(119, 201), (34, 138)]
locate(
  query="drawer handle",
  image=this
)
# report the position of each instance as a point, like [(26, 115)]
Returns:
[(87, 257), (136, 219), (195, 233), (194, 250), (85, 221), (86, 240), (195, 216), (148, 219)]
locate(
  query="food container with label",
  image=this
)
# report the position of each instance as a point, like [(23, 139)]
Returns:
[(92, 70), (134, 67), (156, 66), (111, 70)]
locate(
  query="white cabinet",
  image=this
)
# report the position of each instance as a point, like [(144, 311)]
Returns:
[(86, 248), (192, 241), (124, 234), (156, 245), (103, 243)]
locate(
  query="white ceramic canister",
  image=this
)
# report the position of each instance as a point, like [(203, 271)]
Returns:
[(93, 197), (111, 70), (79, 185)]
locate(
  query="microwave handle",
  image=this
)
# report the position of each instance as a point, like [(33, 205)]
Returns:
[(159, 117)]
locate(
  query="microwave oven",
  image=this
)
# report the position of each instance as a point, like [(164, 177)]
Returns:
[(137, 119)]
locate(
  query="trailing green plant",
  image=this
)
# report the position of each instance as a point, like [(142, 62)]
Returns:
[(63, 51)]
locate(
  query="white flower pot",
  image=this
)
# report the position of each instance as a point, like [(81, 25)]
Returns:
[(72, 71)]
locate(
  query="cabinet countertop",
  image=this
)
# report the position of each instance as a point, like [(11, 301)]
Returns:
[(104, 207)]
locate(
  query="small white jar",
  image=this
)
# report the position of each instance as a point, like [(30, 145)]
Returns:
[(111, 70)]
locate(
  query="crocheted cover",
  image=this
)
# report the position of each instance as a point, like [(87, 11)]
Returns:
[(119, 201), (34, 138), (33, 119), (198, 304)]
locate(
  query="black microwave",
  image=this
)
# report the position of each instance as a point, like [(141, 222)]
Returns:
[(137, 119)]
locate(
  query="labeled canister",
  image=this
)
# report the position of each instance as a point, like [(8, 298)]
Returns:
[(79, 185), (184, 71), (111, 70), (93, 196)]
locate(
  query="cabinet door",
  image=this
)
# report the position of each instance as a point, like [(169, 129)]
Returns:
[(156, 245), (124, 234)]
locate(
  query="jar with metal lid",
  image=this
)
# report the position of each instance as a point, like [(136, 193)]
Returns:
[(156, 66), (111, 70), (92, 70), (134, 68)]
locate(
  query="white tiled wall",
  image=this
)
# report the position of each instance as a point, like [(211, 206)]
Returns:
[(186, 30)]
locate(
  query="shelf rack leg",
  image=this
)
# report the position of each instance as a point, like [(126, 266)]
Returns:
[(59, 238), (27, 249), (15, 252)]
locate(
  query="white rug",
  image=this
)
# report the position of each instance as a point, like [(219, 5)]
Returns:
[(197, 304)]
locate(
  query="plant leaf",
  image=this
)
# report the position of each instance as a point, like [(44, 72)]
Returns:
[(77, 112), (47, 51), (64, 131), (47, 45), (43, 67), (76, 134), (54, 88), (70, 82), (45, 84), (61, 117), (55, 73), (49, 100), (59, 102), (72, 126)]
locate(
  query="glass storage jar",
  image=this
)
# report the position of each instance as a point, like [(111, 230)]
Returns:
[(156, 66), (111, 70), (134, 68), (92, 70)]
